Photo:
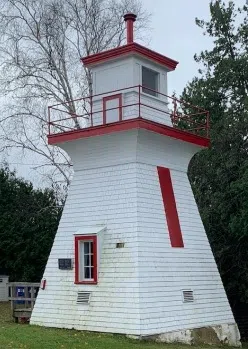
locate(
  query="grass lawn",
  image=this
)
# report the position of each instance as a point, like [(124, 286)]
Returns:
[(33, 337)]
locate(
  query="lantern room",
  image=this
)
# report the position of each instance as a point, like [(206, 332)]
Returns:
[(126, 83), (136, 80)]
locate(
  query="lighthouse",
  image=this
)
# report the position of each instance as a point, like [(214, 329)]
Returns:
[(131, 255)]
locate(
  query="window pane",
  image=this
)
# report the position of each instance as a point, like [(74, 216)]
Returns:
[(91, 273), (91, 247), (92, 260), (86, 247), (150, 80), (86, 260), (87, 272), (81, 260)]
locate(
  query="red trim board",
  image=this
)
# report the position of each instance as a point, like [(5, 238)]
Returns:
[(170, 207), (129, 49), (77, 257), (125, 125)]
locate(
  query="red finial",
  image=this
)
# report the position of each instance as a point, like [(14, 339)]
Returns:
[(130, 18)]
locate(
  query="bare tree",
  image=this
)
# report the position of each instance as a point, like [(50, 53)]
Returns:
[(41, 43)]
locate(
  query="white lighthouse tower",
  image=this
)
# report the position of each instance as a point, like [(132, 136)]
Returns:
[(131, 255)]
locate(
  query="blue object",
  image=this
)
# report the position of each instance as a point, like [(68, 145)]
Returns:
[(20, 293)]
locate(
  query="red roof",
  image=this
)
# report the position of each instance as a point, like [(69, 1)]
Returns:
[(130, 49)]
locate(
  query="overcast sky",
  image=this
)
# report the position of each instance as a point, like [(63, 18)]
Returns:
[(175, 35)]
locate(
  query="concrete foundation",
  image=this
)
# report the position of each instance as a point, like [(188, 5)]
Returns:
[(226, 334)]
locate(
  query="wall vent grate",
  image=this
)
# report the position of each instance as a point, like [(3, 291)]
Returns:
[(83, 297), (188, 296)]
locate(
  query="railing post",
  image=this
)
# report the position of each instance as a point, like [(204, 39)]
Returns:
[(26, 296), (139, 102), (174, 117), (91, 111), (32, 297), (49, 121), (12, 302)]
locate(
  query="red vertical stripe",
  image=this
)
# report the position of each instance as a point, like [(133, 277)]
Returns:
[(170, 207)]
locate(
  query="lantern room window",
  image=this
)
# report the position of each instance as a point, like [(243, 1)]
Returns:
[(150, 79), (86, 259)]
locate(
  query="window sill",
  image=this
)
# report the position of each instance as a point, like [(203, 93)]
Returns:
[(85, 282), (156, 98), (143, 94)]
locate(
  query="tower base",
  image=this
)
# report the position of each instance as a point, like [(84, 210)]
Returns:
[(154, 279), (226, 334)]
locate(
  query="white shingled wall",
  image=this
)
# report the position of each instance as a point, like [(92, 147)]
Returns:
[(165, 271), (103, 192), (105, 196), (139, 289)]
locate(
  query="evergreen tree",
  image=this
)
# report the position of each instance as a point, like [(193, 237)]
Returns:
[(219, 175), (28, 222)]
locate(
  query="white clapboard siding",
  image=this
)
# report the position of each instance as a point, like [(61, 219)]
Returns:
[(118, 282), (189, 268), (140, 287)]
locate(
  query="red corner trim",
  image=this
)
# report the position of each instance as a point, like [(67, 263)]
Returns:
[(110, 98), (170, 207), (77, 240), (125, 125), (132, 48)]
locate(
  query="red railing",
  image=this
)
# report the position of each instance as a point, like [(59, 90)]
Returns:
[(133, 102)]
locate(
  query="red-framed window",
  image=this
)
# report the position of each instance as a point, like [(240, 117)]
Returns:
[(112, 108), (86, 259)]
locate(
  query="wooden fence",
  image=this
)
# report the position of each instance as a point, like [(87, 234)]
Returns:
[(22, 298)]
